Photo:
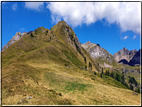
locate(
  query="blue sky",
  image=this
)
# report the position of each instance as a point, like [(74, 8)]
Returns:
[(112, 25)]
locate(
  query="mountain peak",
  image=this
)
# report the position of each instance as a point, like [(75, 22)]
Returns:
[(88, 42), (124, 54), (18, 33), (125, 48), (63, 31), (62, 23), (18, 36), (98, 53)]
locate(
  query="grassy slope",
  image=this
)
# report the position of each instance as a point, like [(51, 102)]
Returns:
[(45, 83), (36, 67)]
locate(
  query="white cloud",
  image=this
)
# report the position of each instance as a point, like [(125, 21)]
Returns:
[(125, 37), (134, 37), (34, 5), (126, 15), (14, 7)]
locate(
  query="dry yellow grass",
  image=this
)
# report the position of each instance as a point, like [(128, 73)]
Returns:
[(75, 85), (94, 94)]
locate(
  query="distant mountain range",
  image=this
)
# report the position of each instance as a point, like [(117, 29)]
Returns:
[(123, 56)]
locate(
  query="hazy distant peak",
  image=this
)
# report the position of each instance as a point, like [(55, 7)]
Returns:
[(125, 48)]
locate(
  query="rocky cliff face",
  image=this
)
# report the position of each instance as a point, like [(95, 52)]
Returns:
[(15, 38), (124, 54), (98, 52), (135, 61), (64, 31), (95, 50)]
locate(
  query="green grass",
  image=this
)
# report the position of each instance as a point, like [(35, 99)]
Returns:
[(106, 80), (73, 58), (72, 86)]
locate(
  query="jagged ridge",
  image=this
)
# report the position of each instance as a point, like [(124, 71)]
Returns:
[(97, 52), (125, 56)]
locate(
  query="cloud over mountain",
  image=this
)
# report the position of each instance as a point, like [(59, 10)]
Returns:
[(126, 15)]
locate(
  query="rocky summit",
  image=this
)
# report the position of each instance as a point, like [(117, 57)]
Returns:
[(97, 52), (70, 37), (124, 54)]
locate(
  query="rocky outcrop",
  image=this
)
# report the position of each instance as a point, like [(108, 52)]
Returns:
[(15, 38), (96, 51), (124, 54), (135, 61)]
